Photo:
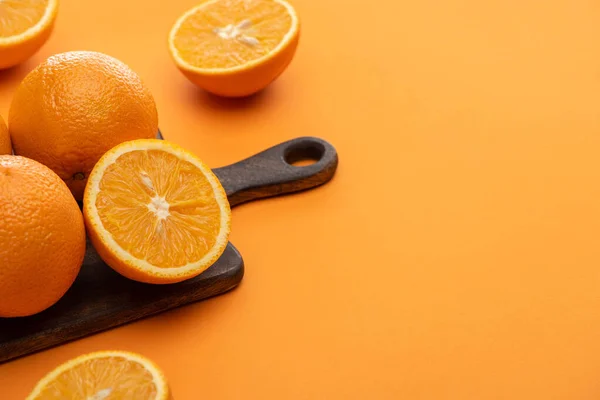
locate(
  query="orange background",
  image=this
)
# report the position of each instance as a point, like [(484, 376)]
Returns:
[(454, 256)]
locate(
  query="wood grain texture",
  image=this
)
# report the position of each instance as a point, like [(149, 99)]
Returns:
[(101, 299)]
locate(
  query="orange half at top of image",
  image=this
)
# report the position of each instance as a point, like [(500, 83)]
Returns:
[(25, 26), (235, 47)]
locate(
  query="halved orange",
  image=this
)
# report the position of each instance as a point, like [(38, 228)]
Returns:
[(235, 48), (25, 25), (104, 375), (155, 212)]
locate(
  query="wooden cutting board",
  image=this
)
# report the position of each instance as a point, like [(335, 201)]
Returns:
[(101, 299)]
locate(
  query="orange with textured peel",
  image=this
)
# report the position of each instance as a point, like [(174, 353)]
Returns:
[(104, 375), (25, 25), (76, 106), (235, 48), (5, 145), (42, 237), (155, 212)]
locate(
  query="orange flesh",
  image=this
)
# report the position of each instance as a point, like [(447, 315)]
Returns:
[(17, 16), (159, 208), (113, 378), (228, 33)]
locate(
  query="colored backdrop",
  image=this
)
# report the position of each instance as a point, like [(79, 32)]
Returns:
[(454, 256)]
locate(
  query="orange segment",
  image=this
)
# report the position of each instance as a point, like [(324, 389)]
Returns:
[(104, 375), (155, 212), (235, 47), (25, 25)]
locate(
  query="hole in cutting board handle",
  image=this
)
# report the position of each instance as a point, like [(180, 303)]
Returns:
[(304, 154), (276, 171)]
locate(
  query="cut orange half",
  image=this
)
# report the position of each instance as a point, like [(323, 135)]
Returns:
[(155, 212), (25, 25), (235, 47), (102, 376)]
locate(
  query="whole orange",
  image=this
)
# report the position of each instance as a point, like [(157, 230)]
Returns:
[(42, 235), (74, 107), (5, 145)]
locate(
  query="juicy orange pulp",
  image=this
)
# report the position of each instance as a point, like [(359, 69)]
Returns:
[(103, 376), (96, 377), (159, 208), (226, 34), (17, 16), (25, 25), (155, 212)]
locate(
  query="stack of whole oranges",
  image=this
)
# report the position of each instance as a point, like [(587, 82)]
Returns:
[(83, 127), (79, 160), (83, 123), (64, 116)]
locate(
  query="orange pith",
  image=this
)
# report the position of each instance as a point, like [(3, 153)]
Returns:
[(17, 16), (226, 34), (156, 213), (111, 375)]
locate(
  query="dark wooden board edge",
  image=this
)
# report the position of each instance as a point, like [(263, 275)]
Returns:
[(213, 284), (225, 275)]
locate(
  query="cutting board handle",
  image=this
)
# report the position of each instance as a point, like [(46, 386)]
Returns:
[(272, 172)]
